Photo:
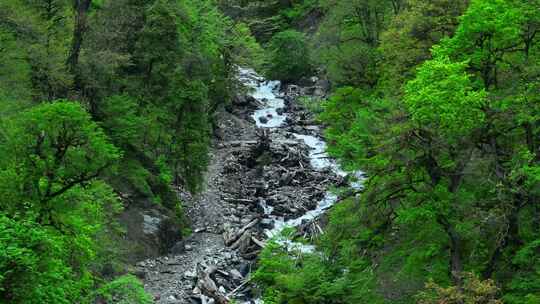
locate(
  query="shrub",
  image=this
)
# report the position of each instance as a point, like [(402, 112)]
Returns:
[(473, 291), (124, 290)]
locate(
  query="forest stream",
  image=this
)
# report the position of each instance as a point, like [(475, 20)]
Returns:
[(145, 159), (269, 171)]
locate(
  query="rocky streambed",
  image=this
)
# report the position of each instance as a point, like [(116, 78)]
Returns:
[(269, 170)]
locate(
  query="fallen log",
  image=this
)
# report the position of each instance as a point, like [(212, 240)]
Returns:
[(237, 143), (259, 243), (242, 244), (239, 200), (231, 238), (251, 255), (207, 286), (232, 293)]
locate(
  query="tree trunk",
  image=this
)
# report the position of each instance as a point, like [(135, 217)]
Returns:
[(81, 8), (456, 264), (510, 239), (532, 141)]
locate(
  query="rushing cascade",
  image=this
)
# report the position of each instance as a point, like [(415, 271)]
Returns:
[(272, 115)]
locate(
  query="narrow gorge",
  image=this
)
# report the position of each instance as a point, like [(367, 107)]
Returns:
[(269, 171), (269, 151)]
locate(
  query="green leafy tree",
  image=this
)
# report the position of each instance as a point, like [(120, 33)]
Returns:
[(289, 57), (442, 97), (54, 210), (488, 32), (348, 37), (51, 149), (449, 148), (410, 35), (244, 49), (121, 120)]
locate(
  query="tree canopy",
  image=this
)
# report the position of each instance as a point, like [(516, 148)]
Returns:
[(434, 101), (100, 99)]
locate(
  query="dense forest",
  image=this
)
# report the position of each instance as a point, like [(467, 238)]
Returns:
[(437, 101), (101, 99), (110, 105)]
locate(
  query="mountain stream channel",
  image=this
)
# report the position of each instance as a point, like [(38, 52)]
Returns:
[(269, 170)]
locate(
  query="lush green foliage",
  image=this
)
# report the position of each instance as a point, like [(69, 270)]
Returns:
[(289, 56), (443, 97), (124, 290), (266, 18), (436, 105), (98, 98), (54, 211), (437, 101), (48, 150), (473, 291)]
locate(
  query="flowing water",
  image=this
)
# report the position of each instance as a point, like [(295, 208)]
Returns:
[(272, 115), (170, 278)]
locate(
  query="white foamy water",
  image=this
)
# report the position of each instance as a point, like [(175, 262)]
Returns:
[(266, 92), (266, 208), (319, 158)]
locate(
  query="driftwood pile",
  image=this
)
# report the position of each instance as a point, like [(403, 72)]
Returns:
[(276, 172), (273, 170), (210, 285)]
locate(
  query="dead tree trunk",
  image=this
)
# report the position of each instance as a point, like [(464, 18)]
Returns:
[(207, 285)]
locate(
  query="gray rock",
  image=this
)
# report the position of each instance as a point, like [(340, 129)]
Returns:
[(139, 273), (150, 224), (239, 100), (190, 274), (267, 223), (293, 89), (314, 91), (179, 248), (324, 84), (245, 268), (236, 275)]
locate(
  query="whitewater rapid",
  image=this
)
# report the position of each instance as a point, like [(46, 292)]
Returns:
[(272, 115)]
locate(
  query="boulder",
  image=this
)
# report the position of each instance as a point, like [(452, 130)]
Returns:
[(239, 100), (315, 91), (293, 90), (324, 84), (178, 248), (150, 232), (245, 101), (308, 81)]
